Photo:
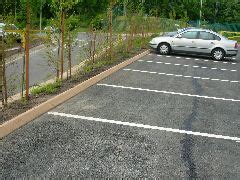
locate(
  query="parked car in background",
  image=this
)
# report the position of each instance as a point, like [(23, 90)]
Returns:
[(12, 27), (196, 41)]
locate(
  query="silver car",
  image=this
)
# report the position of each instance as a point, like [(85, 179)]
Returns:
[(196, 41)]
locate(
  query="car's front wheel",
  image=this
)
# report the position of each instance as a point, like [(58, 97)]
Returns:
[(164, 48), (218, 54)]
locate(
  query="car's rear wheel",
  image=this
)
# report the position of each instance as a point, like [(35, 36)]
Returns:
[(164, 48), (218, 54)]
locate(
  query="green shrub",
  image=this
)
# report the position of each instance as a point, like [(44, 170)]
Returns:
[(50, 88)]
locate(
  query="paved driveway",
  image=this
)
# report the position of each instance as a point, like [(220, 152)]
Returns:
[(162, 116)]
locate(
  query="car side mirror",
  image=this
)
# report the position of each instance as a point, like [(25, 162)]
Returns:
[(179, 36)]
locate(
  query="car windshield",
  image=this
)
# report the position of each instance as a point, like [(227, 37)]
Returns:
[(171, 34)]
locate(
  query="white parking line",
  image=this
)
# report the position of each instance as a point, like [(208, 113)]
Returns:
[(224, 62), (178, 75), (186, 65), (21, 57), (169, 92), (179, 131)]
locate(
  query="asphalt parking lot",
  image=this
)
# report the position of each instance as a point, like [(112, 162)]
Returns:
[(162, 116)]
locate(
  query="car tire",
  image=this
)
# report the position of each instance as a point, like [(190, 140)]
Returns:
[(164, 48), (218, 54)]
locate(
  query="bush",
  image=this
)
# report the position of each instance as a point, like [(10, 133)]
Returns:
[(50, 88)]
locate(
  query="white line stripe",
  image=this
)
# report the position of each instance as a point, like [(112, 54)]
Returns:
[(167, 92), (186, 65), (178, 75), (21, 56), (236, 139), (178, 57), (208, 60)]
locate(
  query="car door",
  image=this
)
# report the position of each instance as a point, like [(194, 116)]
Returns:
[(206, 41), (185, 41)]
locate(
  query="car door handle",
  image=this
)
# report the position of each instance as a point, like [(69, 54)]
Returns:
[(212, 43)]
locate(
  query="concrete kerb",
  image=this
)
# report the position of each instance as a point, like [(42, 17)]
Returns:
[(21, 120)]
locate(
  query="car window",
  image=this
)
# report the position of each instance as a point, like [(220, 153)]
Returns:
[(190, 35), (217, 38), (206, 36)]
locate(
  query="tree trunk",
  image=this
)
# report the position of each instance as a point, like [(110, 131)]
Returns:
[(69, 55), (62, 42), (3, 82), (1, 72), (110, 31), (27, 49)]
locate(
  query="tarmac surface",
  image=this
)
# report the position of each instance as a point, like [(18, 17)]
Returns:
[(162, 116)]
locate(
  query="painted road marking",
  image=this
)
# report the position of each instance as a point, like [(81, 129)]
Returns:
[(178, 75), (179, 131), (185, 65), (21, 56), (224, 62), (169, 92)]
